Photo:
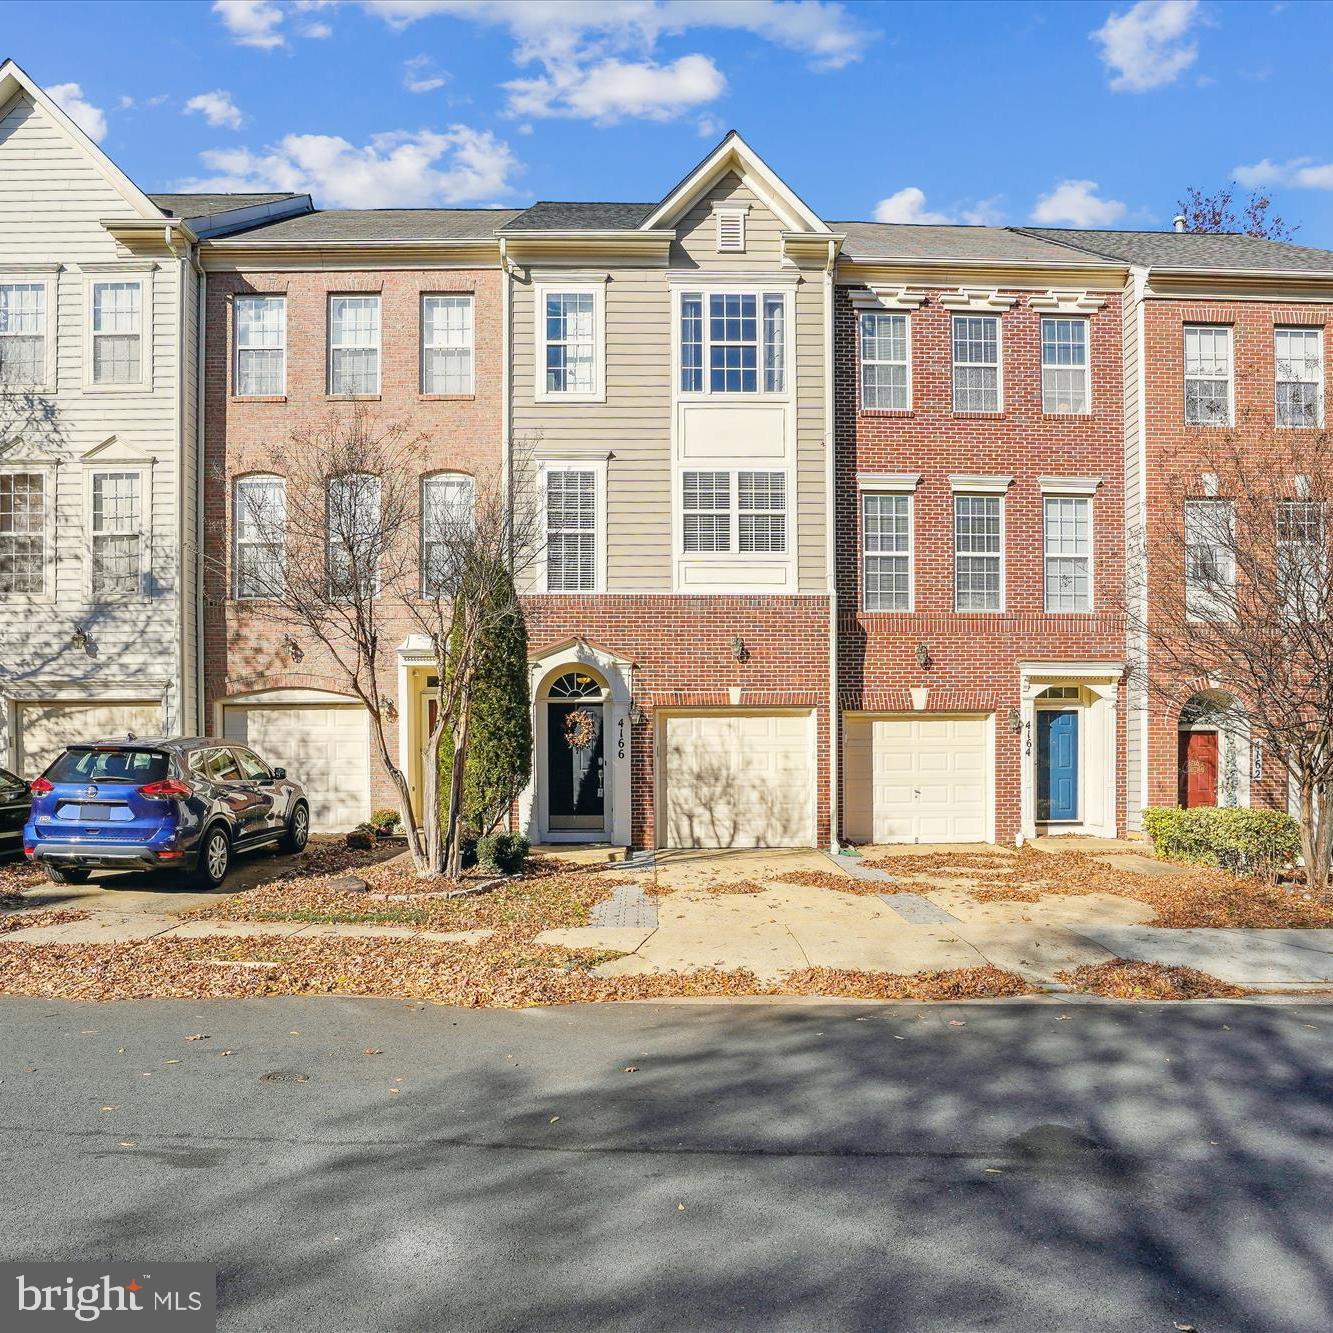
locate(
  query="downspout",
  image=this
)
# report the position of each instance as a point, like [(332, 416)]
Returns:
[(200, 399), (1140, 277), (182, 270), (831, 542), (506, 446)]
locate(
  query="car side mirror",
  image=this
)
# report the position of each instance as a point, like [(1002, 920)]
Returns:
[(279, 772)]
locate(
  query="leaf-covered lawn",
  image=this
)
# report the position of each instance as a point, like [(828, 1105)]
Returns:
[(1120, 979)]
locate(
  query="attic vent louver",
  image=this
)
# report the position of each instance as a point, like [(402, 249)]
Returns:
[(730, 230)]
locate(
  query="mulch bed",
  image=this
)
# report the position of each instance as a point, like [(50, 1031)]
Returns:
[(1123, 980), (29, 920)]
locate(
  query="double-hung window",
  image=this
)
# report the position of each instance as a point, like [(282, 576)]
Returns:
[(1067, 552), (261, 346), (1302, 558), (354, 346), (23, 528), (733, 342), (886, 551), (885, 378), (706, 509), (978, 525), (1298, 356), (116, 329), (762, 518), (259, 518), (446, 344), (117, 533), (570, 357), (446, 522), (1207, 375), (22, 334), (1064, 365), (724, 512), (1210, 559), (355, 538), (976, 363), (571, 530)]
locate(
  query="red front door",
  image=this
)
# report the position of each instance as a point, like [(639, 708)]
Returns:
[(1198, 768)]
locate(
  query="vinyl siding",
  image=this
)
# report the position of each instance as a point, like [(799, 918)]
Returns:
[(52, 197)]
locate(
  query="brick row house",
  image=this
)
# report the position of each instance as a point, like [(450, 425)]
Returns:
[(833, 516)]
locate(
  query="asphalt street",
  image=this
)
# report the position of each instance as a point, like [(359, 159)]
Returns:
[(1033, 1166)]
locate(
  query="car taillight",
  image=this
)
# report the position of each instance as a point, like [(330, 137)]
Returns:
[(40, 786), (166, 789)]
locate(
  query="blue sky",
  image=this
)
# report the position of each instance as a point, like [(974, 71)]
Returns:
[(1070, 114)]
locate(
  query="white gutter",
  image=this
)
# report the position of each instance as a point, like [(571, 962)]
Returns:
[(831, 539)]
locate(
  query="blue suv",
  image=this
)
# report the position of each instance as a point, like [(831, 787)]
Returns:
[(186, 804)]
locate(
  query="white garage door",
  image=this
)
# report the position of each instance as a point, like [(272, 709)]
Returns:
[(325, 747), (44, 729), (737, 780), (918, 779)]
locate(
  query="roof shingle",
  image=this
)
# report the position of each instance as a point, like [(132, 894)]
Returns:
[(903, 240), (554, 215), (1192, 250), (385, 224)]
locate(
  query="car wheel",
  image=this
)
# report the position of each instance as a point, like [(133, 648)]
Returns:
[(297, 833), (66, 874), (214, 858)]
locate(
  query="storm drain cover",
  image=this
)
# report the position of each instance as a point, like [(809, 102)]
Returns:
[(628, 905), (916, 909), (284, 1076)]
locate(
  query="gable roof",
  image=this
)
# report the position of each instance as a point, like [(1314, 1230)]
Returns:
[(1228, 251), (924, 241), (347, 225), (15, 80)]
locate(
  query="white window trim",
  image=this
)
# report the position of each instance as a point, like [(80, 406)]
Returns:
[(1231, 378), (442, 475), (998, 317), (1087, 363), (236, 484), (712, 287), (597, 466), (1004, 548), (1319, 397), (144, 471), (471, 390), (906, 316), (329, 390), (236, 347), (596, 288), (908, 493), (144, 278), (47, 279), (1086, 497), (51, 474), (734, 511)]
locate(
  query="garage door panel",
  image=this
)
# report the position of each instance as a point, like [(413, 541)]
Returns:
[(44, 729), (326, 748)]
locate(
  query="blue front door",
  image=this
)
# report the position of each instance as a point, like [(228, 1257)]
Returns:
[(1057, 765)]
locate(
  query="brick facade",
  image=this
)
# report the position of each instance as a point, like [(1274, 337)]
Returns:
[(974, 657)]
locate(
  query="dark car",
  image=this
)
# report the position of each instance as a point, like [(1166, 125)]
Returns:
[(182, 804), (14, 806)]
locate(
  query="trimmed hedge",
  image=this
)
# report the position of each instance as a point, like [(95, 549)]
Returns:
[(1245, 842), (502, 853)]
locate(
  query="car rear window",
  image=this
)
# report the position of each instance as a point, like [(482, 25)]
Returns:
[(135, 766)]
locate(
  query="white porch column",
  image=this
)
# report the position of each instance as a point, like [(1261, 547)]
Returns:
[(1029, 689), (1102, 731)]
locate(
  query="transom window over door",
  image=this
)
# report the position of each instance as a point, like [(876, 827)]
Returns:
[(117, 332), (885, 378), (571, 530), (886, 545), (1068, 553), (22, 533), (260, 519), (354, 346), (117, 536), (446, 344), (22, 333), (261, 346), (1064, 365), (733, 342), (1299, 366), (1207, 375), (976, 363), (978, 553)]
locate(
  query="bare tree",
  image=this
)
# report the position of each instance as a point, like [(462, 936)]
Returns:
[(1231, 593), (358, 550), (1216, 212)]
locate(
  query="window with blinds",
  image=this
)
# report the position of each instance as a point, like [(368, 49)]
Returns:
[(571, 530), (117, 533)]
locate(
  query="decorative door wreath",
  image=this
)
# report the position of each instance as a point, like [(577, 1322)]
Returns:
[(580, 729)]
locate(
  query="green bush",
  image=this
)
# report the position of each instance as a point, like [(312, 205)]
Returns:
[(383, 820), (502, 853), (1245, 842)]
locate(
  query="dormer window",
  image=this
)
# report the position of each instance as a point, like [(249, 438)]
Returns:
[(730, 230)]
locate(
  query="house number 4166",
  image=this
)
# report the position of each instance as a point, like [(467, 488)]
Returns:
[(620, 738)]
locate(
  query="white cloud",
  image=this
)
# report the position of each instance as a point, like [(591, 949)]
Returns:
[(251, 22), (610, 91), (316, 30), (421, 76), (1302, 172), (89, 118), (398, 169), (217, 108), (1075, 204), (908, 205), (985, 212), (1148, 46)]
